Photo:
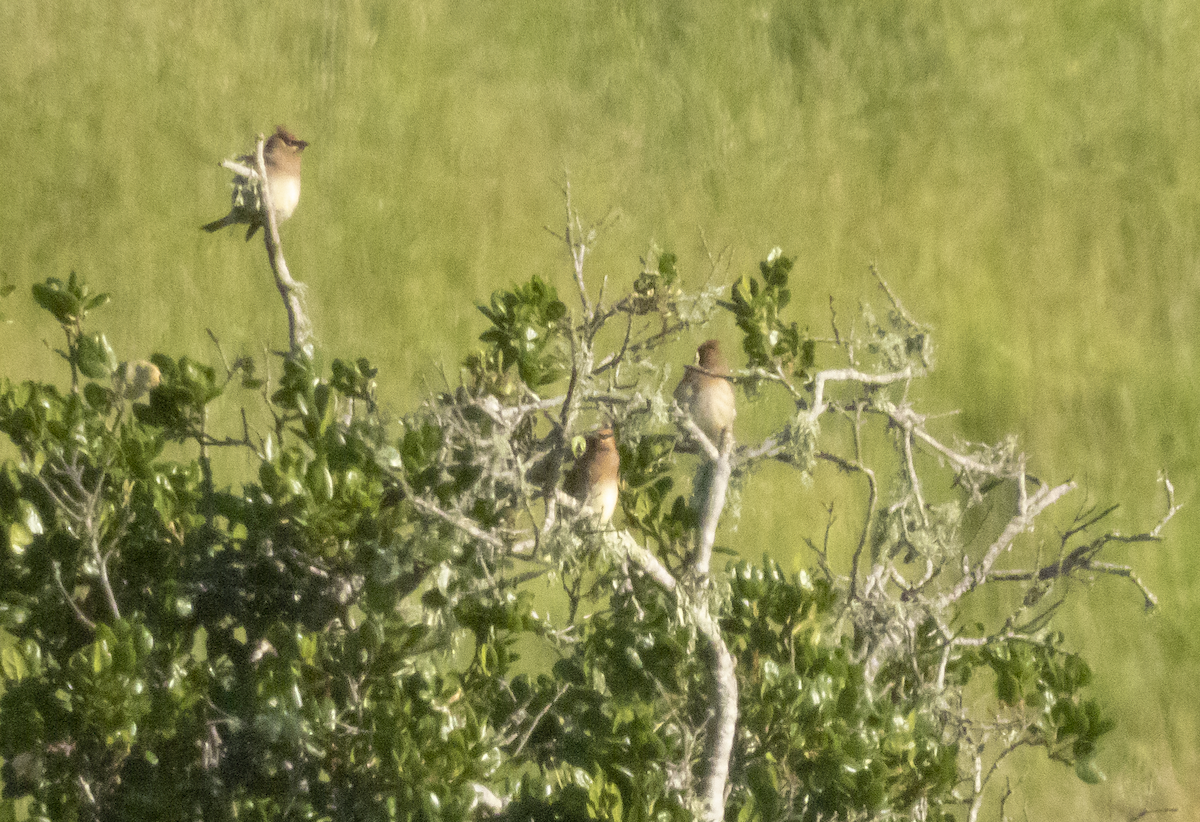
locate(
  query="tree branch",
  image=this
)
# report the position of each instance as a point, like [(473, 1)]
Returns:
[(299, 326), (723, 717), (79, 614), (1021, 522), (819, 405), (717, 474)]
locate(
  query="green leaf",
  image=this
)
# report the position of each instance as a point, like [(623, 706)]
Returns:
[(27, 526), (97, 397), (53, 296), (12, 661), (319, 480), (96, 302), (124, 656), (1087, 770), (101, 656), (97, 360)]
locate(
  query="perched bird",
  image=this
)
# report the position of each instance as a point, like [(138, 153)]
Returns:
[(594, 477), (281, 155), (706, 393), (136, 378)]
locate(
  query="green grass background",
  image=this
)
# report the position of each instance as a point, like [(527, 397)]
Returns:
[(1025, 174)]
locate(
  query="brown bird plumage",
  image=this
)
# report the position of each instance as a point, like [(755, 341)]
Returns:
[(706, 394), (594, 478), (135, 379), (281, 155)]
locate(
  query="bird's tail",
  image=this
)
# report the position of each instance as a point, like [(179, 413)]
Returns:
[(232, 219), (217, 225)]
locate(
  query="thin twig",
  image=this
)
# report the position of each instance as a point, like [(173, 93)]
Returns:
[(895, 300)]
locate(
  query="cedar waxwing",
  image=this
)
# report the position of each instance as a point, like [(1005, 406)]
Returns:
[(281, 155), (136, 378), (594, 478), (706, 393)]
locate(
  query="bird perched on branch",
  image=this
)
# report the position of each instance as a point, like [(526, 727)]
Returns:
[(135, 379), (594, 478), (706, 393), (281, 154)]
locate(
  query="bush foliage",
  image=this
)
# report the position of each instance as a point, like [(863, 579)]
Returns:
[(337, 634)]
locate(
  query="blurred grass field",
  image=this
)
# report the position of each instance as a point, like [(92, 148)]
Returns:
[(1027, 177)]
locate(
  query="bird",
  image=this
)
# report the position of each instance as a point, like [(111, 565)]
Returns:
[(706, 394), (281, 155), (593, 479), (136, 378)]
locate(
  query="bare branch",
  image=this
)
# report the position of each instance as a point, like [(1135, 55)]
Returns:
[(685, 421), (1021, 522), (299, 326), (982, 780), (79, 614), (240, 169), (1145, 812), (1081, 560), (524, 740), (461, 523), (64, 483), (646, 561), (894, 299), (717, 474), (1172, 507), (819, 404), (913, 479), (723, 716)]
